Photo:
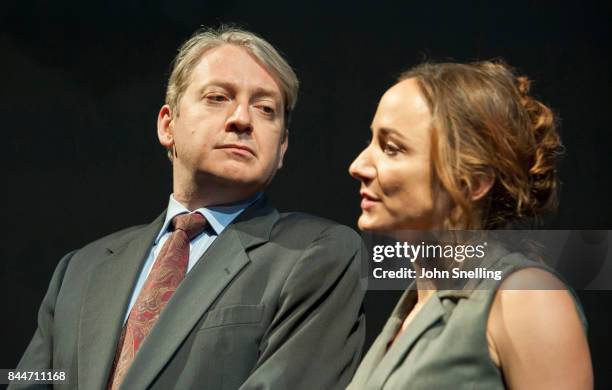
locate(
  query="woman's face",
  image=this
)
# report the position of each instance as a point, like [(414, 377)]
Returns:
[(395, 168)]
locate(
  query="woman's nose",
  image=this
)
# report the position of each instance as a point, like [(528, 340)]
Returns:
[(362, 168)]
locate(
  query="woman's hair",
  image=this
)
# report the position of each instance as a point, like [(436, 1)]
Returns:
[(486, 124)]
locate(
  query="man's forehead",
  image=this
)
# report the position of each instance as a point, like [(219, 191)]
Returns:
[(228, 65)]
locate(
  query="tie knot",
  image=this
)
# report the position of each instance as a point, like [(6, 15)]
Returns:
[(192, 224)]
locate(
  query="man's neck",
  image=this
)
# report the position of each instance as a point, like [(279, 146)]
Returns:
[(195, 201), (197, 191)]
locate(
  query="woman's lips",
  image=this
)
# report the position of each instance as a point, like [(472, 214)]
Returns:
[(368, 201), (367, 204)]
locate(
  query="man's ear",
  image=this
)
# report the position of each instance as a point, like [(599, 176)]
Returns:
[(284, 146), (165, 127), (482, 184)]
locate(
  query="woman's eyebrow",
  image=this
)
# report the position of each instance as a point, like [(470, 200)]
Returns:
[(386, 131)]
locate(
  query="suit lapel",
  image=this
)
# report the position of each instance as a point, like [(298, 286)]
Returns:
[(109, 289), (223, 260), (374, 355), (431, 313)]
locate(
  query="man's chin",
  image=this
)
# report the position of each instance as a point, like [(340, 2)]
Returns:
[(233, 179)]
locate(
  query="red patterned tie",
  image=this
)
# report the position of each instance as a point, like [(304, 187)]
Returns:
[(167, 273)]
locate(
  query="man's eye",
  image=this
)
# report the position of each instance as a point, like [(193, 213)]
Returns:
[(216, 98), (267, 110)]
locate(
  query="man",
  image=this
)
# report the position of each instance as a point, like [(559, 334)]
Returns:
[(220, 291)]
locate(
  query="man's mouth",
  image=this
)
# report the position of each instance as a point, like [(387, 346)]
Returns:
[(239, 149)]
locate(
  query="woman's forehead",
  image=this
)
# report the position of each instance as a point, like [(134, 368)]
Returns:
[(402, 107)]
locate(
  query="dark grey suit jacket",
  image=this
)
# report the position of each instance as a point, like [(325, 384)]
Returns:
[(274, 303)]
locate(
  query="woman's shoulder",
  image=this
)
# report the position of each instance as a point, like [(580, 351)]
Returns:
[(518, 271), (534, 296), (531, 300), (527, 284), (533, 322)]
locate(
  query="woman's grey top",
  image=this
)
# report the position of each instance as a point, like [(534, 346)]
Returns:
[(445, 346)]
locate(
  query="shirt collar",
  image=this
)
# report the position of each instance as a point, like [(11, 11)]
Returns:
[(218, 217)]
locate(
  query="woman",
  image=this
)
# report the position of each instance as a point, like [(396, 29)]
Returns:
[(464, 146)]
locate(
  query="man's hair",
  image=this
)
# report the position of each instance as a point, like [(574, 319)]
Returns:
[(203, 40)]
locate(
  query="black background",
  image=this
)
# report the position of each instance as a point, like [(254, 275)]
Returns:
[(82, 83)]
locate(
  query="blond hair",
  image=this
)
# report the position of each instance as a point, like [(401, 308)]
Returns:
[(190, 53)]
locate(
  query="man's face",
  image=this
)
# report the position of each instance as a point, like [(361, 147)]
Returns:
[(228, 131)]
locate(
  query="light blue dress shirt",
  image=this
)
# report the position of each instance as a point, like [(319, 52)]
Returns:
[(218, 217)]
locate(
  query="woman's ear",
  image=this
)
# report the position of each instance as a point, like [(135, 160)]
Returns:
[(482, 184)]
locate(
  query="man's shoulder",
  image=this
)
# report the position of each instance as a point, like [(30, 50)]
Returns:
[(116, 239), (308, 223), (316, 247), (302, 227), (82, 260), (101, 247)]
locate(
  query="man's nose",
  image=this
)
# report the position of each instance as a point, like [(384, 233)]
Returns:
[(362, 168), (240, 120)]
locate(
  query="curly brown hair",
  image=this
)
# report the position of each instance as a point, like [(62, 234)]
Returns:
[(486, 123)]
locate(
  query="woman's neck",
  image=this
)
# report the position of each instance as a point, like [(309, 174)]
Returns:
[(425, 287)]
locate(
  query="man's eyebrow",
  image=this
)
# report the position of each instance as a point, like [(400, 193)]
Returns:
[(258, 91), (266, 92), (218, 83)]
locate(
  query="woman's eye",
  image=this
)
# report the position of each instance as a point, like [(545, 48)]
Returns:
[(390, 149)]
